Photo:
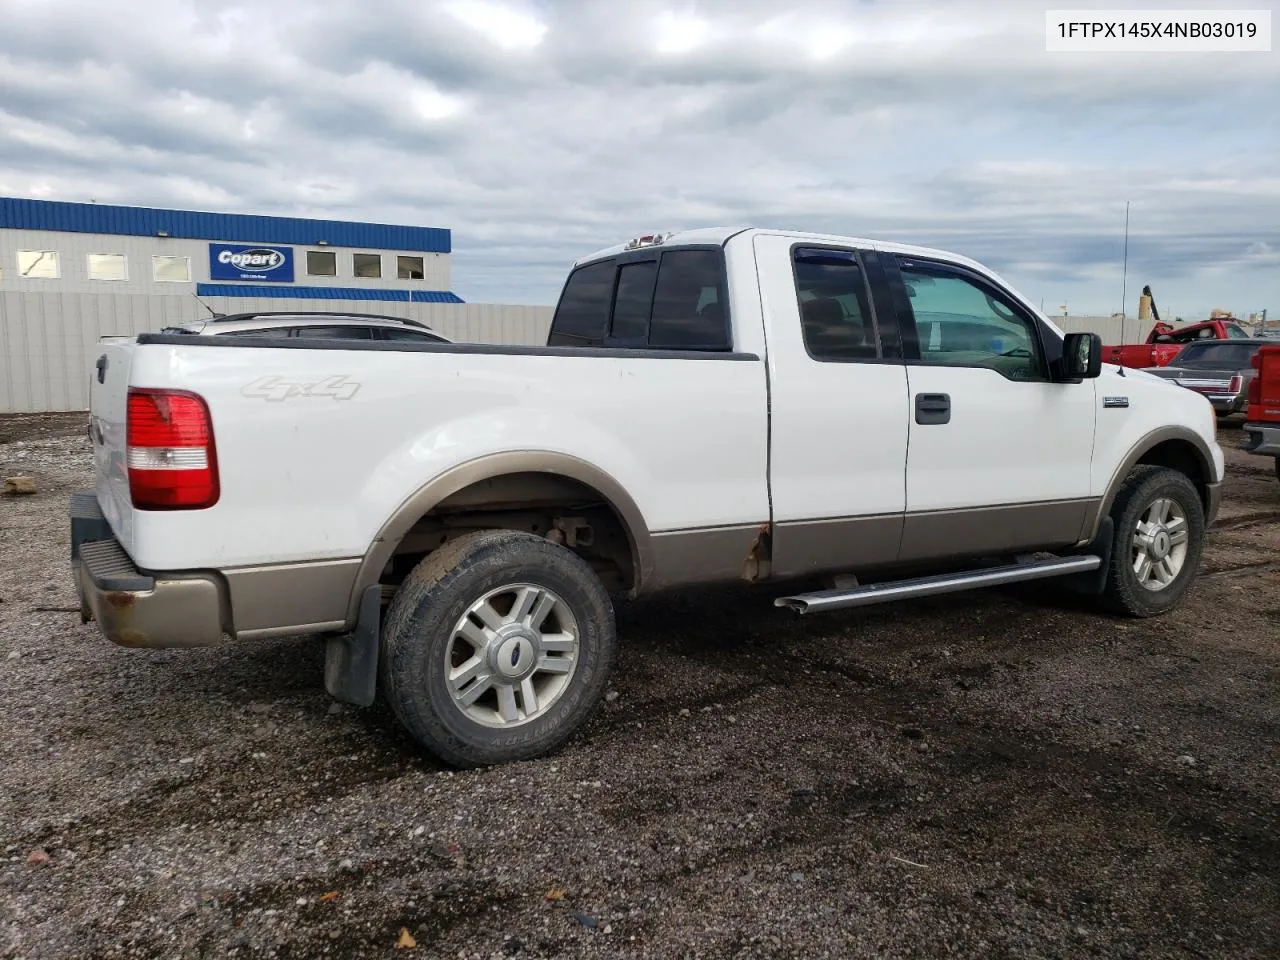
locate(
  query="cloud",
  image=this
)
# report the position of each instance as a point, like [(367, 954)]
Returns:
[(539, 130)]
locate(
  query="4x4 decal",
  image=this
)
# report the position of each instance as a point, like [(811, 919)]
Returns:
[(272, 388)]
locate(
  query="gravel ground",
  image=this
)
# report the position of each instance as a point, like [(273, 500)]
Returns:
[(997, 774)]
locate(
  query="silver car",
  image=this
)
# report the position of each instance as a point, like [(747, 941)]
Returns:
[(324, 325)]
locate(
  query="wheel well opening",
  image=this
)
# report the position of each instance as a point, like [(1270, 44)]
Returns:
[(1181, 456), (561, 509)]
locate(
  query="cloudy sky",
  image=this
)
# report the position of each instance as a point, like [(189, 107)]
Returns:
[(538, 130)]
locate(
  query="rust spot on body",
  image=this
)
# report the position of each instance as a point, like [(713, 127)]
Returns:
[(120, 599), (129, 638), (756, 564)]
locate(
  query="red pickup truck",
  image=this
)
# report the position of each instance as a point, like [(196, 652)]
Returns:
[(1262, 423), (1165, 341)]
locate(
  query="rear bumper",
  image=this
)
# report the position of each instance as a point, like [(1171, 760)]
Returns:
[(1262, 439), (133, 608), (1226, 403)]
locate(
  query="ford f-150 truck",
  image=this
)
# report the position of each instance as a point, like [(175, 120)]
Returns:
[(1262, 416), (842, 421)]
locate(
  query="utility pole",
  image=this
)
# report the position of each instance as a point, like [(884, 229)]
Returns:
[(1124, 274)]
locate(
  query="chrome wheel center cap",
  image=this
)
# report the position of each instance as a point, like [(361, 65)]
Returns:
[(513, 652), (1160, 544)]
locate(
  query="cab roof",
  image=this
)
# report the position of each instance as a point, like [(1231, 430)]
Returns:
[(719, 236)]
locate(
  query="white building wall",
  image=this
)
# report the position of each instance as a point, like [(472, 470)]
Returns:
[(73, 250), (1112, 330), (49, 341)]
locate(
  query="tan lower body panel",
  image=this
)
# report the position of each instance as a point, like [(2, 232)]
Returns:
[(944, 534), (285, 598), (306, 597), (807, 547), (850, 544), (712, 555)]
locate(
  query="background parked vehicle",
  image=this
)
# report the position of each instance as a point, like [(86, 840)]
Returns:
[(1166, 341), (1219, 370), (313, 325), (1262, 422)]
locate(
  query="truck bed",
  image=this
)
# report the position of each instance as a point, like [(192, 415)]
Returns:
[(317, 440)]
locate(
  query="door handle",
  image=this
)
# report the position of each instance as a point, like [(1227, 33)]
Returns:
[(933, 408)]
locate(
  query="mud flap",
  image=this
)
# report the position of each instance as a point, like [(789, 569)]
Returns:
[(1094, 582), (351, 659)]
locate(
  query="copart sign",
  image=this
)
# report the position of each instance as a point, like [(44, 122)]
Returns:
[(230, 261)]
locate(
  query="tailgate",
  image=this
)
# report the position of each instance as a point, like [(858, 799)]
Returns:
[(108, 402), (1264, 406)]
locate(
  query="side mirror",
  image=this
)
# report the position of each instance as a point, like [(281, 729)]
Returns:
[(1081, 356)]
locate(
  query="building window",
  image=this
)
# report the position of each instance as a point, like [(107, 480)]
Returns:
[(171, 269), (322, 263), (409, 268), (368, 265), (38, 264), (108, 266)]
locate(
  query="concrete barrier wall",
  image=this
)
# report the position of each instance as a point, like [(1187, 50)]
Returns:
[(49, 341)]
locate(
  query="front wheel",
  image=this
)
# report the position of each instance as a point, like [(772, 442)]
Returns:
[(1159, 540), (497, 647)]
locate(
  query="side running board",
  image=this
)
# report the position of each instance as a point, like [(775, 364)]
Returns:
[(824, 600)]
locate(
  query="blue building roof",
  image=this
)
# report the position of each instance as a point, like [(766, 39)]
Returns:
[(23, 214), (294, 292)]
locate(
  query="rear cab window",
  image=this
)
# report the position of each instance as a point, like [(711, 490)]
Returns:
[(653, 299)]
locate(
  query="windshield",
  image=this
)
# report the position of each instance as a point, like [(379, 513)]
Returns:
[(1235, 332), (1219, 354)]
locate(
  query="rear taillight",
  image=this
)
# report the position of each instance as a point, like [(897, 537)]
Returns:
[(1236, 383), (171, 459), (1254, 394)]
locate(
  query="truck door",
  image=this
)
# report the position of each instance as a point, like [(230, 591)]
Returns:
[(838, 409), (999, 454)]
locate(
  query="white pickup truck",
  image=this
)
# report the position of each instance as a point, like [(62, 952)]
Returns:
[(848, 420)]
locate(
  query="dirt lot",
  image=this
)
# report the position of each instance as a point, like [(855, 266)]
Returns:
[(983, 775)]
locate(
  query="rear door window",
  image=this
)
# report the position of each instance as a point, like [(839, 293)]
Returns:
[(414, 336), (835, 320), (263, 332), (335, 333)]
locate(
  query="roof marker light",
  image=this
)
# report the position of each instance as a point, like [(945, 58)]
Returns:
[(649, 240)]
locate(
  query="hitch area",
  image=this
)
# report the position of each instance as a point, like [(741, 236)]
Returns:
[(861, 596)]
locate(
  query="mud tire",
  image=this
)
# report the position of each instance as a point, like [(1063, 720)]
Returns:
[(419, 626), (1122, 593)]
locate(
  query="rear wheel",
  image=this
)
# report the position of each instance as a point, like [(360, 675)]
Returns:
[(497, 647), (1159, 540)]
